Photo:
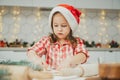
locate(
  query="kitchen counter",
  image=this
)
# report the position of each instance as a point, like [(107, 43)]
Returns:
[(89, 49), (96, 54)]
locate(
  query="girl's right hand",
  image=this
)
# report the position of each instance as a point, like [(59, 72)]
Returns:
[(34, 58)]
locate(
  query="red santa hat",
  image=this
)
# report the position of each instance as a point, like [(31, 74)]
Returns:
[(69, 12)]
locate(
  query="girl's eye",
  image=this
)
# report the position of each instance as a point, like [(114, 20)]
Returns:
[(55, 25), (64, 25)]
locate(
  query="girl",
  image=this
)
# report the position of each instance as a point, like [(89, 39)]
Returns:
[(61, 48)]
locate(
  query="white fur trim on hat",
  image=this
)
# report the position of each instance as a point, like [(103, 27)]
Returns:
[(67, 14)]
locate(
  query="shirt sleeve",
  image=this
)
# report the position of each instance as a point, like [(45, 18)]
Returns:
[(39, 47), (80, 48)]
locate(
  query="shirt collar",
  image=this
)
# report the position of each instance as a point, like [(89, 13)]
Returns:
[(66, 43)]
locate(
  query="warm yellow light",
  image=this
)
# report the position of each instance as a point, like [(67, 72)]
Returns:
[(2, 10), (38, 14), (103, 17), (1, 36), (103, 13), (118, 26), (106, 40), (16, 11), (1, 29), (83, 15)]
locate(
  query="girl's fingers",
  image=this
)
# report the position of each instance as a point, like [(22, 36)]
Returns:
[(45, 66)]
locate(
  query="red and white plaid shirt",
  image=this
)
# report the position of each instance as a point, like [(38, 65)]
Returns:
[(56, 53)]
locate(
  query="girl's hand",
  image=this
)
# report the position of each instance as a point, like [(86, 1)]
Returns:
[(67, 63), (72, 71), (44, 65), (41, 62), (37, 60)]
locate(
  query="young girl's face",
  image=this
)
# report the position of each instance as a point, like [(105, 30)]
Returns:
[(61, 27)]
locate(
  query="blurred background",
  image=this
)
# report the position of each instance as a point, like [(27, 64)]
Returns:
[(24, 22)]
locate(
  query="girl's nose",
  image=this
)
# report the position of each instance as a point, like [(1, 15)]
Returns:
[(59, 28)]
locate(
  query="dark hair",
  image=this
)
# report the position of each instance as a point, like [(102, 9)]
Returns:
[(70, 36)]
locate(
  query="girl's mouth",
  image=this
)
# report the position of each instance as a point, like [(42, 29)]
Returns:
[(60, 33)]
